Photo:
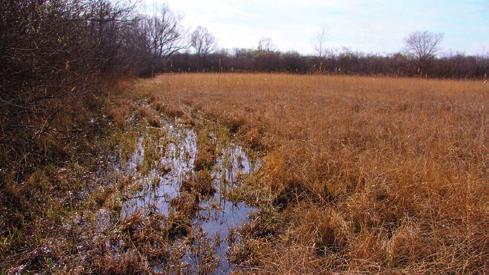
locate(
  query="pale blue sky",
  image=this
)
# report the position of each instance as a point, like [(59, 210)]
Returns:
[(374, 26)]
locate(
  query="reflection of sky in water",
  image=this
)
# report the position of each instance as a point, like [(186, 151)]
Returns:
[(218, 223), (179, 159), (217, 215)]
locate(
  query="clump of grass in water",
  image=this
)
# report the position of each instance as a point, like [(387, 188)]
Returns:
[(127, 143), (152, 149), (206, 155)]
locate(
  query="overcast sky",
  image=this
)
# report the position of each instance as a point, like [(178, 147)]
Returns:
[(374, 26)]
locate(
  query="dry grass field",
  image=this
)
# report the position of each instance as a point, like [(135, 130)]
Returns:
[(365, 174)]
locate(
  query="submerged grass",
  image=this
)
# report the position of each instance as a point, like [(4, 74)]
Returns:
[(363, 174)]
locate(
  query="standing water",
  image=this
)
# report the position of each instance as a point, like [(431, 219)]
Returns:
[(217, 216)]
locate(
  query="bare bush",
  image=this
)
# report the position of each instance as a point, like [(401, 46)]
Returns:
[(53, 55)]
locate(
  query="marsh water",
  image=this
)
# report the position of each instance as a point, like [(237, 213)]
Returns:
[(217, 217)]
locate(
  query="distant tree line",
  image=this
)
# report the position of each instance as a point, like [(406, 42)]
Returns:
[(243, 60), (199, 52), (418, 59)]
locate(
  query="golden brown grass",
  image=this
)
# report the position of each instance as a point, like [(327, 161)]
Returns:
[(388, 174)]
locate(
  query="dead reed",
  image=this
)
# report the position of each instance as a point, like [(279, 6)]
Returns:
[(385, 173)]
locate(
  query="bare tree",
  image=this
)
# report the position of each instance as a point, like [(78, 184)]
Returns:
[(164, 33), (266, 45), (423, 45), (202, 41), (320, 47), (320, 42)]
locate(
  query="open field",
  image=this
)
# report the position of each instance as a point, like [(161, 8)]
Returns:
[(262, 173), (364, 174)]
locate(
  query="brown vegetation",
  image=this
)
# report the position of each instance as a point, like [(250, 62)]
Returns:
[(60, 61), (367, 174), (359, 174)]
